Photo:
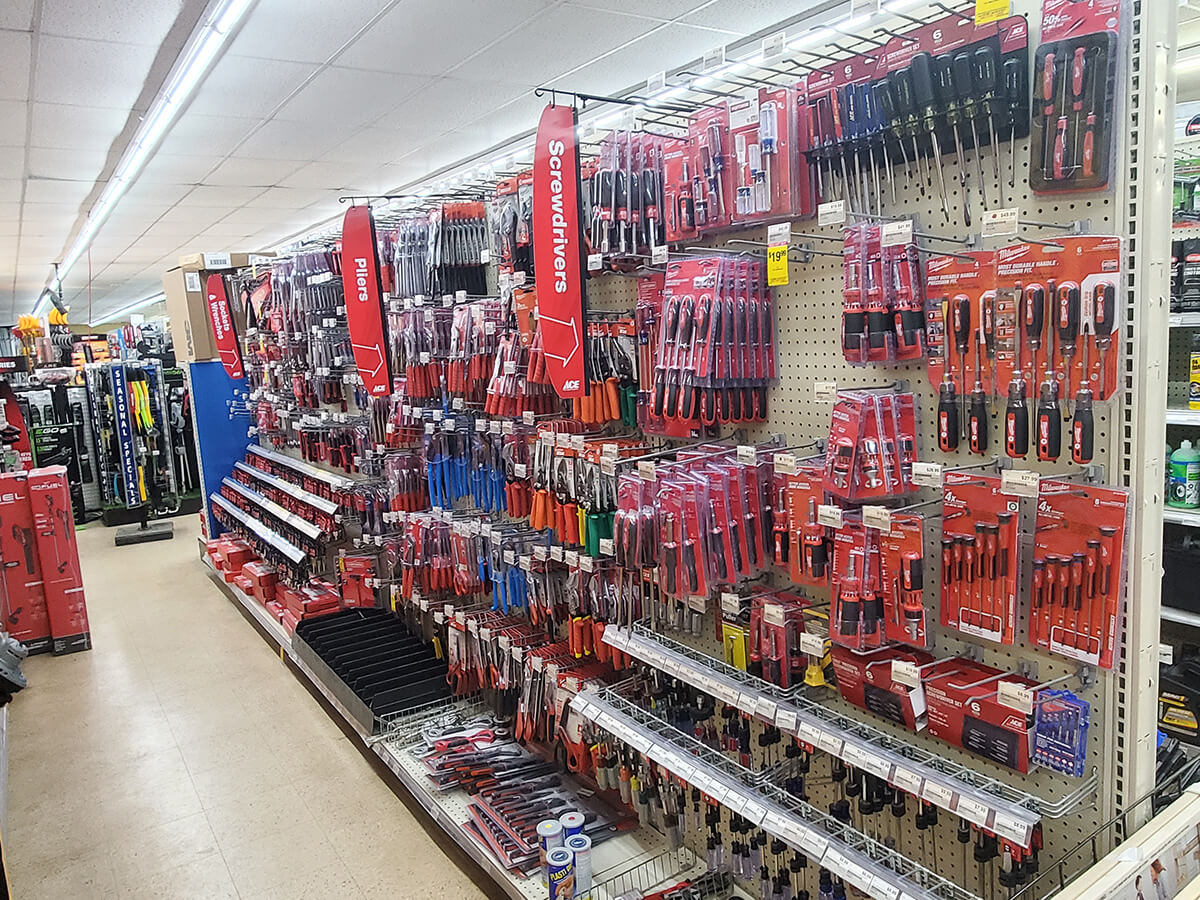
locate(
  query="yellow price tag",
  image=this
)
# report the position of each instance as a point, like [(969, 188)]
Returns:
[(777, 265), (991, 10), (281, 653)]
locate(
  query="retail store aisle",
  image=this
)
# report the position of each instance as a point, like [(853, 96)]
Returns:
[(180, 758)]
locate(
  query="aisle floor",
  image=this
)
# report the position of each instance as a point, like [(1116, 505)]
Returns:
[(181, 758)]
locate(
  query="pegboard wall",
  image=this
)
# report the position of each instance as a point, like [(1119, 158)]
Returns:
[(808, 345)]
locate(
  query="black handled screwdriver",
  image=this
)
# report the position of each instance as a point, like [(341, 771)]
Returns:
[(983, 72), (1104, 312), (1049, 421), (968, 94), (1016, 414), (960, 316), (1015, 92), (886, 95), (949, 95), (906, 108), (947, 413), (922, 83)]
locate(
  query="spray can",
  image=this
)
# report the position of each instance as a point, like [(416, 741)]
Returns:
[(1194, 374), (581, 846), (1184, 491), (572, 823), (550, 837), (560, 865)]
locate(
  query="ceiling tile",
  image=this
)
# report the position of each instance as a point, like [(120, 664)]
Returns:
[(128, 21), (225, 91), (375, 145), (57, 190), (564, 40), (303, 30), (262, 172), (284, 198), (667, 48), (278, 139), (153, 196), (328, 176), (75, 127), (224, 197), (12, 161), (169, 168), (745, 16), (16, 57), (348, 98), (10, 190), (466, 25), (54, 162), (449, 103), (49, 212), (194, 218), (111, 75), (14, 115), (17, 14), (196, 134)]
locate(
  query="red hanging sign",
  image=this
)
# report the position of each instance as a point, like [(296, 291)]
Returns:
[(558, 250), (364, 300), (222, 325)]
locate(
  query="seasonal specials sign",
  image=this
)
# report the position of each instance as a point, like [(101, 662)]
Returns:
[(558, 250), (364, 300)]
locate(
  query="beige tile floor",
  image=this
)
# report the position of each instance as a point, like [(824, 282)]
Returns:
[(181, 758)]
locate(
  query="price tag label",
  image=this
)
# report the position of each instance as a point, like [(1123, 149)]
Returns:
[(1019, 482), (774, 614), (646, 470), (713, 59), (746, 702), (894, 234), (746, 454), (765, 708), (972, 810), (773, 46), (587, 563), (879, 517), (867, 760), (927, 474), (540, 553), (571, 558), (780, 232), (814, 845), (907, 781), (785, 463), (608, 466), (830, 516), (809, 733), (882, 889), (577, 443), (607, 547), (998, 222), (217, 261), (595, 262), (825, 392), (832, 213), (1166, 654), (509, 557), (937, 794), (656, 83), (830, 743), (658, 255), (1015, 696), (785, 719), (1009, 826), (812, 644), (520, 470), (191, 281), (991, 10), (556, 553), (777, 266), (481, 426), (731, 603), (525, 562), (906, 673)]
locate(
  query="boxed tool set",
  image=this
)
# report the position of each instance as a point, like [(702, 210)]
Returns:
[(780, 520)]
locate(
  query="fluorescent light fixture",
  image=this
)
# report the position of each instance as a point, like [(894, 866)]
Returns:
[(812, 38), (186, 76), (1188, 63), (133, 307)]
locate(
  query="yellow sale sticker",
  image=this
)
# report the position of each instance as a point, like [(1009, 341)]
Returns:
[(777, 265)]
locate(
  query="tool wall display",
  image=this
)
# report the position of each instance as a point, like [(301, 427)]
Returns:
[(61, 421), (810, 583)]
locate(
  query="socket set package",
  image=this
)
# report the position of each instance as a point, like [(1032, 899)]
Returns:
[(1075, 83), (980, 561), (1079, 570)]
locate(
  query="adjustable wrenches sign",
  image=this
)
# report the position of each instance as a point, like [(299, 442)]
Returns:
[(558, 250), (364, 300)]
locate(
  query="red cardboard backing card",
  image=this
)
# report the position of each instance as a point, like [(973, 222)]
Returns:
[(809, 551), (1079, 570), (713, 164), (25, 615), (902, 566), (865, 679), (964, 710), (54, 532), (964, 283)]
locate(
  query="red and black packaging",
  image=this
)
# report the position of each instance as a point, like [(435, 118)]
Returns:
[(902, 552), (25, 614), (810, 545), (54, 533), (865, 679), (713, 166), (1078, 570), (964, 706), (980, 557)]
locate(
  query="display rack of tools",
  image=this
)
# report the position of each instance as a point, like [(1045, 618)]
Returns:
[(941, 318)]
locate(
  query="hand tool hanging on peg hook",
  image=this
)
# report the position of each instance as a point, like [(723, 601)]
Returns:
[(922, 84)]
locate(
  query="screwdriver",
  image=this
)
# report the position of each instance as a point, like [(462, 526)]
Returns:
[(1080, 75), (1049, 74), (849, 104), (1049, 421), (1083, 424), (716, 146), (950, 93), (768, 139), (1035, 322), (1089, 130), (964, 82), (876, 132), (983, 71), (1016, 415), (1015, 92), (922, 83), (1060, 165), (833, 137), (906, 109), (1067, 320), (1104, 311), (886, 97), (960, 313), (977, 429)]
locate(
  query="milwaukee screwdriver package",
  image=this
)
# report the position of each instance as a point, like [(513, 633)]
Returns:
[(1078, 570), (902, 567), (1074, 96), (980, 561), (871, 446)]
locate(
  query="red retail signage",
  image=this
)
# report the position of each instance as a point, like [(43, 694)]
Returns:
[(558, 249), (222, 326), (364, 300)]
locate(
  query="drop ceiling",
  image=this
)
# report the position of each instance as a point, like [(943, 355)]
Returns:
[(309, 100)]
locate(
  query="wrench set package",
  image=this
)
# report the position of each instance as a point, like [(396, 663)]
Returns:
[(1074, 92), (1078, 570)]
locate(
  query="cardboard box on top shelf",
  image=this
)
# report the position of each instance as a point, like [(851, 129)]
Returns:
[(187, 304)]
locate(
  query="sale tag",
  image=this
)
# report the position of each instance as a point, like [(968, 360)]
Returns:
[(777, 265), (991, 10)]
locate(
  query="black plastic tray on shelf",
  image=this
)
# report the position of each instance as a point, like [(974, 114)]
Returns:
[(371, 663), (1181, 577)]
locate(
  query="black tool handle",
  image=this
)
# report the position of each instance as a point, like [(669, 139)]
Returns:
[(1049, 424), (922, 85), (1016, 422), (947, 418), (1082, 429), (977, 424)]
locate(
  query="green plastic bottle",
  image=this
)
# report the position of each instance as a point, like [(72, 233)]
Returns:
[(1185, 477)]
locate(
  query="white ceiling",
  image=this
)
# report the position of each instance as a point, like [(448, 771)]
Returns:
[(311, 99)]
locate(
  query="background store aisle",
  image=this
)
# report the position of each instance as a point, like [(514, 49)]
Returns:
[(180, 758)]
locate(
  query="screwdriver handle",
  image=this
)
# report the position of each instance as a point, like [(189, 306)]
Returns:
[(1016, 422), (1082, 429), (977, 426), (947, 418), (983, 73), (922, 85), (1049, 424)]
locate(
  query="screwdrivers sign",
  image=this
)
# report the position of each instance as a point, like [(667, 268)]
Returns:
[(222, 326), (364, 300), (558, 250)]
